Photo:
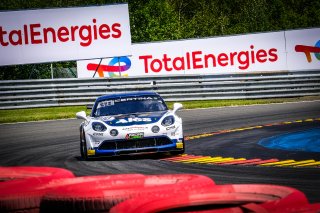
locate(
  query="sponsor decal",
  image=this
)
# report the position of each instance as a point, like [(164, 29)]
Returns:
[(137, 135), (100, 134), (140, 98), (106, 103), (112, 102), (135, 128), (307, 50), (171, 127), (130, 120), (113, 68), (107, 118)]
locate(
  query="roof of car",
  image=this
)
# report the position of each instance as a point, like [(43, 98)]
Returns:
[(126, 94)]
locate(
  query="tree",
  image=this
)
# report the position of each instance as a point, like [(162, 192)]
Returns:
[(153, 20)]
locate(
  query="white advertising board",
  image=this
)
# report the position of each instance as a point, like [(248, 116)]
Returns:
[(265, 52), (243, 53), (303, 47), (36, 36)]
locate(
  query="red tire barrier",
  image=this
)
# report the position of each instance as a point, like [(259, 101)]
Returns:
[(17, 181), (22, 172), (24, 195), (224, 198), (21, 179), (100, 198)]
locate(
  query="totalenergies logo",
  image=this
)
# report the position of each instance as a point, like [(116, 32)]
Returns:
[(307, 50), (114, 68)]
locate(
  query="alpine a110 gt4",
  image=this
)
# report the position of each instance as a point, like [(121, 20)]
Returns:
[(130, 123)]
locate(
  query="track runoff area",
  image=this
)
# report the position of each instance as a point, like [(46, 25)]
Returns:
[(307, 140), (49, 189)]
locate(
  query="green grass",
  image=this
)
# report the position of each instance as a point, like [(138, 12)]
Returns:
[(36, 114), (223, 103)]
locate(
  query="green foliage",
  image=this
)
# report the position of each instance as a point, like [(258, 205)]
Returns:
[(153, 21), (158, 20)]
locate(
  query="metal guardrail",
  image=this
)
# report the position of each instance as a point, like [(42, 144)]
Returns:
[(66, 92)]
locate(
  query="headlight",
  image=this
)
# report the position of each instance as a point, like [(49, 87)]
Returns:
[(99, 127), (114, 132), (167, 121), (155, 129)]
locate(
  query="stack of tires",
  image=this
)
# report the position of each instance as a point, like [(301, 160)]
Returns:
[(46, 189)]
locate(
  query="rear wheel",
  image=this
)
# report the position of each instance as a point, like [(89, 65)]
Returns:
[(83, 146)]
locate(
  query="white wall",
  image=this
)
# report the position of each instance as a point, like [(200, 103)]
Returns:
[(36, 36)]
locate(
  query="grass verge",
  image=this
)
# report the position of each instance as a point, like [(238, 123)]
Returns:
[(36, 114)]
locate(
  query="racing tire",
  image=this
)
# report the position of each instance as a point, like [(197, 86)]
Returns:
[(180, 152), (83, 146)]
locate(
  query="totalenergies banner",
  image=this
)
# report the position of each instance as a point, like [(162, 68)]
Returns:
[(36, 36), (286, 50), (303, 49)]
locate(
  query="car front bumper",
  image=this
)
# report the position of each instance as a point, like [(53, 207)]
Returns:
[(139, 146)]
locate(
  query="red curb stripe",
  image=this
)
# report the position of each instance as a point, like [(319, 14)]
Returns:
[(183, 158), (242, 161), (268, 125), (178, 157), (262, 162)]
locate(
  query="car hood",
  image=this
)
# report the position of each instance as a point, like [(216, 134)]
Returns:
[(133, 119)]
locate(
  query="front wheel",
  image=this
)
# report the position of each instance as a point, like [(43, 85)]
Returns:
[(180, 151), (83, 146)]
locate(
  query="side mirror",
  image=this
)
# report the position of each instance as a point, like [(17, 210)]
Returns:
[(81, 115), (176, 107)]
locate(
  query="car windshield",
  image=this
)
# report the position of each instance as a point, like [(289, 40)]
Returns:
[(129, 105)]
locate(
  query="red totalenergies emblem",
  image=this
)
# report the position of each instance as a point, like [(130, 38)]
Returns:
[(112, 68), (308, 50)]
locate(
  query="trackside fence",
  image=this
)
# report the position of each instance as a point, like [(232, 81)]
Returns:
[(72, 92)]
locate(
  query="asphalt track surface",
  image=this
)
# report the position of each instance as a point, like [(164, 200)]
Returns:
[(56, 143)]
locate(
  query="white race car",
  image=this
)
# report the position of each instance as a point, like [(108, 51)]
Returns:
[(130, 123)]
